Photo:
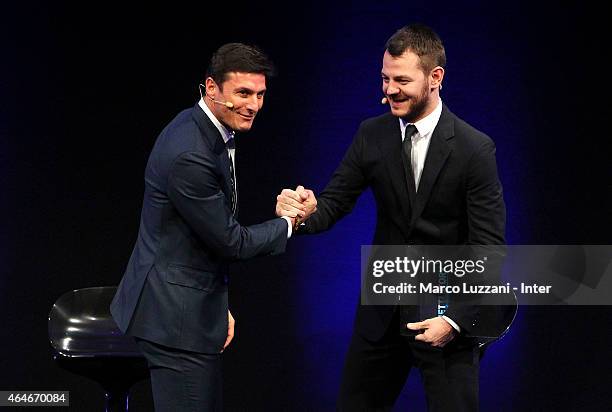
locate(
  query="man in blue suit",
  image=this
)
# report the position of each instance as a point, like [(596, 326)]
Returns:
[(173, 295)]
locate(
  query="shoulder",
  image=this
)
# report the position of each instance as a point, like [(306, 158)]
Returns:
[(371, 130), (379, 122), (182, 130), (464, 133), (182, 134), (182, 137)]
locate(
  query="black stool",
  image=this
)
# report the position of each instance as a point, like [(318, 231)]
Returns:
[(86, 341)]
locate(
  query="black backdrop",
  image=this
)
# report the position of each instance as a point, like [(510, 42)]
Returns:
[(85, 90)]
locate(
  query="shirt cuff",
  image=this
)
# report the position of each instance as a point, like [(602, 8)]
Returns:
[(289, 228), (452, 323)]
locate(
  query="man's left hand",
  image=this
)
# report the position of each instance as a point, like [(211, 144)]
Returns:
[(296, 204), (230, 329), (437, 332)]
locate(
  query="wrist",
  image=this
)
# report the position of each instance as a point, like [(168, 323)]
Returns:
[(296, 223)]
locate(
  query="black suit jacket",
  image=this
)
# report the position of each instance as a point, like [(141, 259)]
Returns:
[(174, 290), (459, 200)]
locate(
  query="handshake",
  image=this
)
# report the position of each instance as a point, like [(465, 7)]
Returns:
[(298, 205)]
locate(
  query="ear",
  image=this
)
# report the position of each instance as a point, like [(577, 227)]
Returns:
[(435, 78), (211, 87)]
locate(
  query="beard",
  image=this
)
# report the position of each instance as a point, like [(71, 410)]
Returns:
[(418, 105)]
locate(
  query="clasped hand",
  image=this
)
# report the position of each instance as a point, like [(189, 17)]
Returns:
[(298, 204)]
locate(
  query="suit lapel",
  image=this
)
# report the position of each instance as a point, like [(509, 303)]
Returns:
[(438, 152), (390, 143), (225, 164), (215, 142)]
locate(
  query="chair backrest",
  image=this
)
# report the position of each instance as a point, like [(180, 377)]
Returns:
[(500, 318), (80, 325)]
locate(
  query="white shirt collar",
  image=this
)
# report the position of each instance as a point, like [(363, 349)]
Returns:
[(426, 125), (225, 134)]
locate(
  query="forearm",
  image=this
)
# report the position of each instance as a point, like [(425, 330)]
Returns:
[(194, 190)]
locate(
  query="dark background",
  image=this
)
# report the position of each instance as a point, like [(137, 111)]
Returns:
[(86, 89)]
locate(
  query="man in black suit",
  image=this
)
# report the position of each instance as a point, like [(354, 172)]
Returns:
[(173, 295), (434, 179)]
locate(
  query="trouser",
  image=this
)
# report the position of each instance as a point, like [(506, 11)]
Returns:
[(375, 373), (183, 380)]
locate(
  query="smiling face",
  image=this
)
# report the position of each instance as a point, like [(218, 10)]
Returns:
[(245, 91), (411, 92)]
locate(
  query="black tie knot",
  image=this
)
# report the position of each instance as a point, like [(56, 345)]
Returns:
[(410, 130), (231, 144)]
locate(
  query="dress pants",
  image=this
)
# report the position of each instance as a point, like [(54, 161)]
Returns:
[(375, 372), (183, 381)]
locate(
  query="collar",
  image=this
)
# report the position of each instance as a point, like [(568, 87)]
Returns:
[(225, 134), (427, 124)]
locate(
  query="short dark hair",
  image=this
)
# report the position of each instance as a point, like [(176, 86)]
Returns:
[(238, 57), (422, 41)]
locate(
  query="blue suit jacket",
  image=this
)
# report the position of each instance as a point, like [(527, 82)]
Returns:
[(174, 290)]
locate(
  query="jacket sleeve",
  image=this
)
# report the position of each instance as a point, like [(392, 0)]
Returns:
[(193, 188), (486, 220), (486, 211)]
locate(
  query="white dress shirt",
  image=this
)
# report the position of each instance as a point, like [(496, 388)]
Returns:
[(225, 134), (421, 139)]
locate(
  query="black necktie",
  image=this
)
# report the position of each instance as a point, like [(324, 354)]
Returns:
[(407, 155), (407, 145), (231, 145), (408, 313)]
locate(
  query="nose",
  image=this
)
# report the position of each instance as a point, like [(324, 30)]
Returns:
[(392, 89), (253, 104)]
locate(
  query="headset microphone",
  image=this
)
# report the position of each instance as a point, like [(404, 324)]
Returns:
[(384, 100), (229, 105)]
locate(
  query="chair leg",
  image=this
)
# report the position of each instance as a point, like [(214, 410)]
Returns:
[(116, 400)]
